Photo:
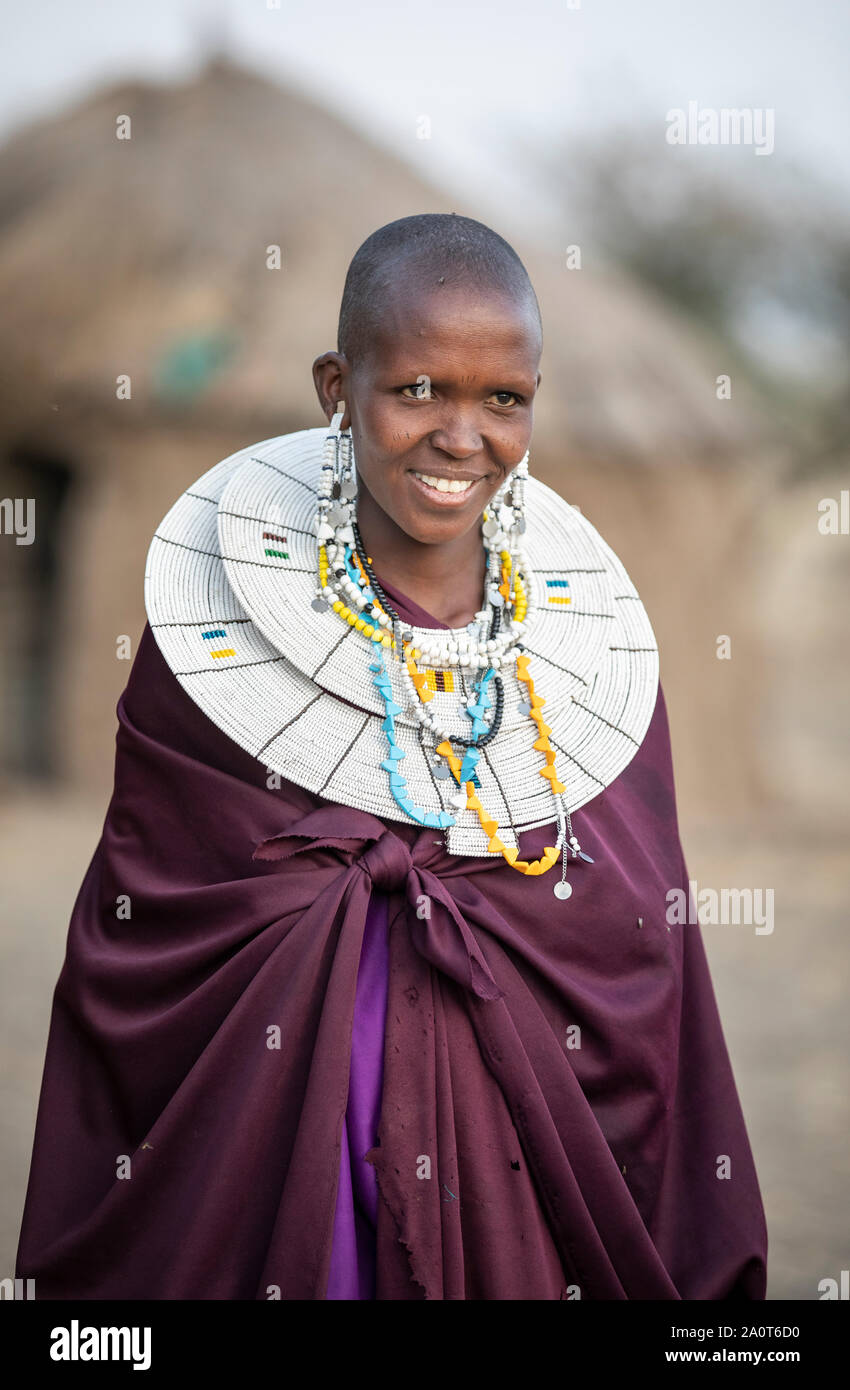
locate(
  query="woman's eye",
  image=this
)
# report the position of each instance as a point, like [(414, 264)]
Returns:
[(420, 391)]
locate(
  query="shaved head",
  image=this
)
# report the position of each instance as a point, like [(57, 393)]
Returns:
[(423, 253)]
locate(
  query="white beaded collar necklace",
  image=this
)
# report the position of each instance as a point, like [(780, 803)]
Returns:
[(230, 587)]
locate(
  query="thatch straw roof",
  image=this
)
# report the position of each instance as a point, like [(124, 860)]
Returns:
[(147, 257)]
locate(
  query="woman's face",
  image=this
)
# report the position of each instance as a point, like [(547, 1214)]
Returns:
[(446, 391)]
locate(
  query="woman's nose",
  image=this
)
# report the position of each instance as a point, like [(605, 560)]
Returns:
[(458, 435)]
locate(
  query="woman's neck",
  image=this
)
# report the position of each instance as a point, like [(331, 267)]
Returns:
[(446, 580)]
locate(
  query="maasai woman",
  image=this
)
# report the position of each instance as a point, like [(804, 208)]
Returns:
[(373, 987)]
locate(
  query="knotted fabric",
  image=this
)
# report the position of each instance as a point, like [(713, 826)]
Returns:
[(376, 853)]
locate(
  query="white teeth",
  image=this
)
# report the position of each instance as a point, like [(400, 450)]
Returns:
[(445, 484)]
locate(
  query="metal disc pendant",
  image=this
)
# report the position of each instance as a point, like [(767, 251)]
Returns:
[(321, 605), (348, 489), (562, 890), (441, 772), (524, 708)]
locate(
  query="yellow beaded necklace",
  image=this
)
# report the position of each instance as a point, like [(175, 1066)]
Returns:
[(516, 597)]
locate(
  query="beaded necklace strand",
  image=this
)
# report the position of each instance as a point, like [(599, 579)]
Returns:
[(345, 573)]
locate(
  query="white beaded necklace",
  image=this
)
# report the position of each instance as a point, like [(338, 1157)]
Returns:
[(335, 527), (229, 583), (337, 533)]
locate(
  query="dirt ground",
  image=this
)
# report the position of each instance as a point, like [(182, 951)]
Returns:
[(781, 997)]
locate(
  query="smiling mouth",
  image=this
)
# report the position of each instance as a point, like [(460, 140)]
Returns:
[(452, 486)]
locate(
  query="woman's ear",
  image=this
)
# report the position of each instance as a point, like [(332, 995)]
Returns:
[(330, 377)]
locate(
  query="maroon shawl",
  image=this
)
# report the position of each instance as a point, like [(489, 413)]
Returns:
[(556, 1170)]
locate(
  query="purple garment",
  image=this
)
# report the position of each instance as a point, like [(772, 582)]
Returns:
[(353, 1252), (209, 1038)]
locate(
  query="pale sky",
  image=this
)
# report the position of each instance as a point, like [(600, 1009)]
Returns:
[(491, 77)]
